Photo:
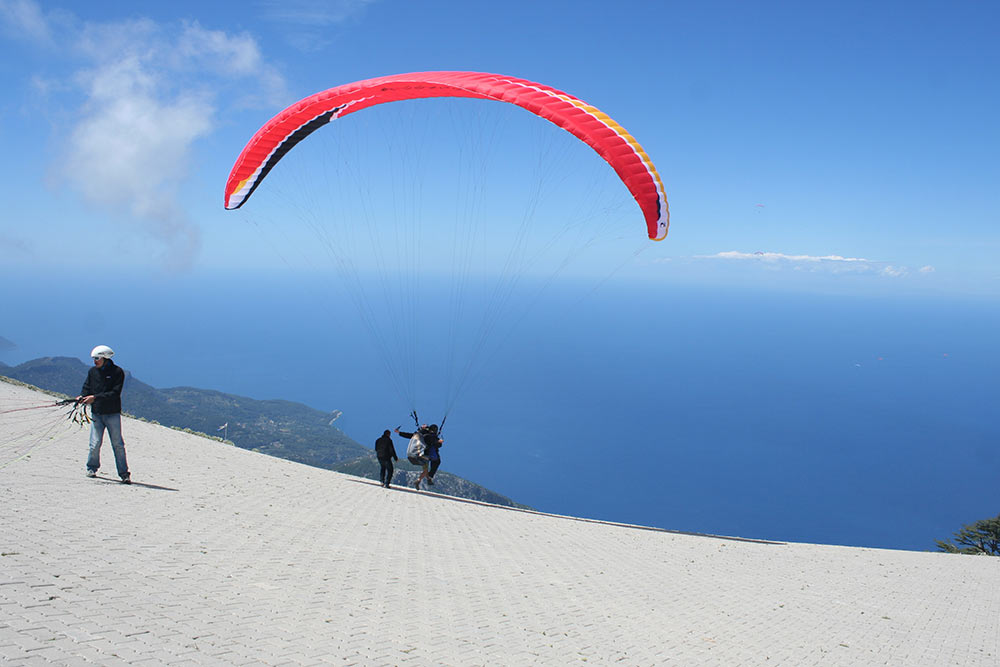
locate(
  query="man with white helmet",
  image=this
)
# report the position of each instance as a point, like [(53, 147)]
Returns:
[(102, 391)]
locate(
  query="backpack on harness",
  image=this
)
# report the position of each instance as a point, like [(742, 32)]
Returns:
[(415, 450)]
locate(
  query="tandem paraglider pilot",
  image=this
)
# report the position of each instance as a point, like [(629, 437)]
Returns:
[(102, 391), (422, 450)]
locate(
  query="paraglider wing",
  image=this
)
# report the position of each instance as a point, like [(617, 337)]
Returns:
[(609, 139)]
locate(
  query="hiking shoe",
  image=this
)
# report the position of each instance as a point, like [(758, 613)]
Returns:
[(430, 480), (416, 485), (91, 473), (127, 479)]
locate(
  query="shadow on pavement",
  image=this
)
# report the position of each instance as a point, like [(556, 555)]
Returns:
[(134, 483)]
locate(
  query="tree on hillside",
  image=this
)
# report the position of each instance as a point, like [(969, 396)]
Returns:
[(981, 537)]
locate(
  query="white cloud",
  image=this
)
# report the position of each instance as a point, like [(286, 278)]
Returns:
[(304, 21), (130, 151), (229, 57), (812, 263), (778, 257), (894, 271), (149, 91), (219, 51), (927, 269)]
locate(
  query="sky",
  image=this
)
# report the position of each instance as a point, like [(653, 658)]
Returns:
[(831, 267), (841, 146)]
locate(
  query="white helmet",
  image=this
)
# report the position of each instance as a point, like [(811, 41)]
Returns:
[(102, 351)]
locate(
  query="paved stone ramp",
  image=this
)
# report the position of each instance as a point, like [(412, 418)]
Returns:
[(223, 556)]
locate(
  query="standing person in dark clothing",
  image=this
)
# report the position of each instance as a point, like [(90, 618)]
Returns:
[(386, 453), (102, 391)]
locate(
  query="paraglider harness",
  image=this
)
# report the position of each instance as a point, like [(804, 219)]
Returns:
[(416, 449)]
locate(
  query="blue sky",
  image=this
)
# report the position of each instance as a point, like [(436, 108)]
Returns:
[(852, 144)]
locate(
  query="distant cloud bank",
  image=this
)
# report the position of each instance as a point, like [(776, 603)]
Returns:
[(815, 263)]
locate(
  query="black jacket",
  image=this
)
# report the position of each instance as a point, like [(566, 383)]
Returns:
[(105, 384), (384, 448)]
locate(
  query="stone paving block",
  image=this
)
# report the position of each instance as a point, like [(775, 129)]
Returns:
[(28, 660)]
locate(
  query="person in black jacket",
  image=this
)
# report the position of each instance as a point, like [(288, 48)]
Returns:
[(386, 453), (102, 391)]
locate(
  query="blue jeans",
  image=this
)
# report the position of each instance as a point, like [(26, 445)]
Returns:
[(113, 423)]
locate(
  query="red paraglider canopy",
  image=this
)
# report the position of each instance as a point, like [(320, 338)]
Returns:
[(280, 134)]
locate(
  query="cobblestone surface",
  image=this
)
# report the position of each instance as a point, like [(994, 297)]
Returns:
[(220, 556)]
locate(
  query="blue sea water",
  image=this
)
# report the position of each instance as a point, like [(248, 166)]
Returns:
[(832, 419)]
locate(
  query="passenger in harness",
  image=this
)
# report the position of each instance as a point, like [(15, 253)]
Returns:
[(422, 450)]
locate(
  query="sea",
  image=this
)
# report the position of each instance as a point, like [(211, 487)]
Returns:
[(850, 419)]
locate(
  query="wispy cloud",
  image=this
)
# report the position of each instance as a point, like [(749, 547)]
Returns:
[(306, 22), (142, 94), (313, 12), (834, 264), (24, 19)]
